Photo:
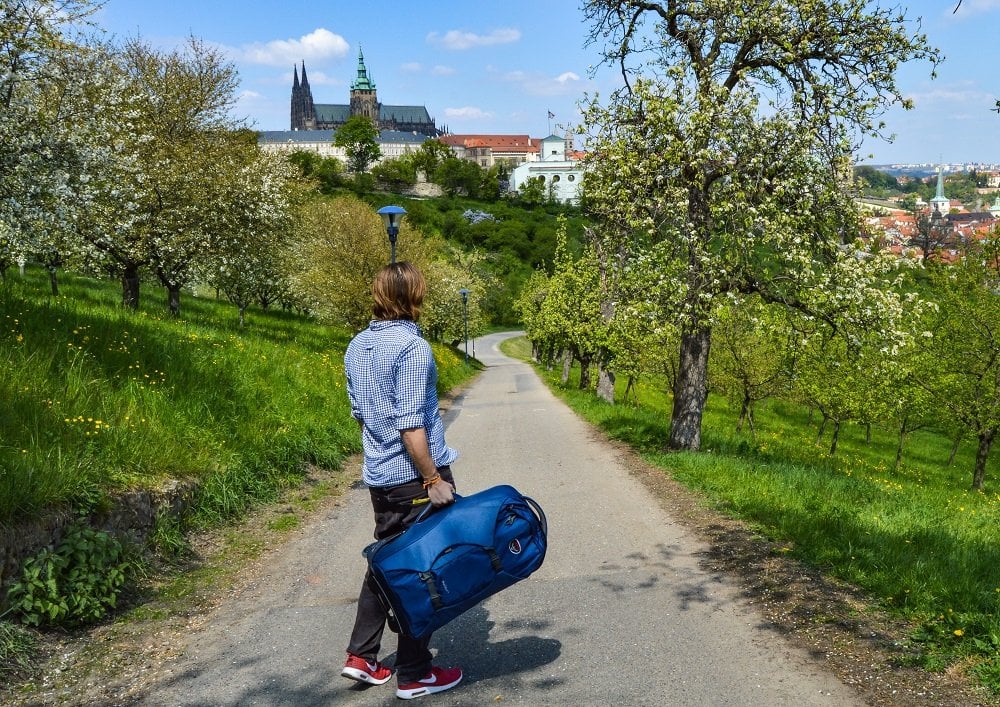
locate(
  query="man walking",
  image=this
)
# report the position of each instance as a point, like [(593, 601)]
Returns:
[(392, 385)]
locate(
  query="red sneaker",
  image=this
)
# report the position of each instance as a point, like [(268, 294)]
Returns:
[(357, 668), (438, 680)]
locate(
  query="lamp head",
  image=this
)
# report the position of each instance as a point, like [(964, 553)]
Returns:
[(392, 216)]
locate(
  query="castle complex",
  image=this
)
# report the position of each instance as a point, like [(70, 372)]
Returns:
[(308, 115)]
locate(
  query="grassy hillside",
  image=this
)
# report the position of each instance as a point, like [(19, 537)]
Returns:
[(918, 540), (94, 399)]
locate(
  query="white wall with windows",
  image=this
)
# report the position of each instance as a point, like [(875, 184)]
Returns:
[(563, 177)]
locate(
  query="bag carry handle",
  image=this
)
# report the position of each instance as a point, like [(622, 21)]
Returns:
[(424, 514), (540, 513)]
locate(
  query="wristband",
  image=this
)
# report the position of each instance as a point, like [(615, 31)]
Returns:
[(431, 481)]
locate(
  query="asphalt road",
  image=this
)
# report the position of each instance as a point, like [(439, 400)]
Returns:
[(620, 613)]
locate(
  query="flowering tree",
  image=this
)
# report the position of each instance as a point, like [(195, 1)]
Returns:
[(249, 260), (446, 314), (752, 358), (58, 108), (965, 348), (340, 246), (718, 160)]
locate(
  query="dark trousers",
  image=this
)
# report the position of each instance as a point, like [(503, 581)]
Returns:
[(396, 508)]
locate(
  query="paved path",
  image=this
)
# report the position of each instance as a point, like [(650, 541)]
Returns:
[(620, 613)]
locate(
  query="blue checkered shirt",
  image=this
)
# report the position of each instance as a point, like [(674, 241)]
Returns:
[(392, 385)]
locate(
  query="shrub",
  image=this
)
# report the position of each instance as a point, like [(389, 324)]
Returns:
[(75, 584)]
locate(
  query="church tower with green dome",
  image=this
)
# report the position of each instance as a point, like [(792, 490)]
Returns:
[(940, 202), (364, 99)]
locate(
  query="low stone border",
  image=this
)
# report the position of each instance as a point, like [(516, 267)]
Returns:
[(131, 516)]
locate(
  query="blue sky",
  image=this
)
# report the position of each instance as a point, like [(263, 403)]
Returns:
[(502, 67)]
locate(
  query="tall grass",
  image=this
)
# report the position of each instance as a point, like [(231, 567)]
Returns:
[(918, 539), (95, 399)]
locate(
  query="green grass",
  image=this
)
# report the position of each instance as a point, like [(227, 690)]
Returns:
[(17, 650), (918, 539), (95, 399)]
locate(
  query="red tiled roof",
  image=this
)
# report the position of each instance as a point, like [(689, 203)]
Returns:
[(523, 142)]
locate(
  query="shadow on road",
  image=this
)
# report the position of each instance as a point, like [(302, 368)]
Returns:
[(465, 642)]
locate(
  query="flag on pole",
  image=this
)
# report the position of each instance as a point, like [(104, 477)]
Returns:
[(551, 115)]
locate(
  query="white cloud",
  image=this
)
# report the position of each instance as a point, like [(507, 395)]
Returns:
[(457, 40), (411, 67), (953, 96), (318, 44), (468, 112), (441, 70), (539, 85)]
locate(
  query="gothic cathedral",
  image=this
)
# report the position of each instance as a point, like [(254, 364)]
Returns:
[(307, 115)]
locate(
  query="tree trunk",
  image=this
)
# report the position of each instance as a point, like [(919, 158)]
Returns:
[(753, 429), (836, 436), (243, 311), (53, 280), (690, 391), (630, 389), (954, 450), (174, 300), (899, 446), (567, 366), (868, 433), (550, 354), (3, 270), (130, 287), (605, 384), (584, 372), (822, 429), (982, 455), (741, 418)]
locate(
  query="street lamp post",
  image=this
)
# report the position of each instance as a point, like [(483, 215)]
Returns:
[(392, 216), (465, 316)]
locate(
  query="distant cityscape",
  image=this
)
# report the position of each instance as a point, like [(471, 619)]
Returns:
[(927, 169)]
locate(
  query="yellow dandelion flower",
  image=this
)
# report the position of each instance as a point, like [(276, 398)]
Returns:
[(959, 632)]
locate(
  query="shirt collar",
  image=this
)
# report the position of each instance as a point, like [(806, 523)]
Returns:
[(385, 324)]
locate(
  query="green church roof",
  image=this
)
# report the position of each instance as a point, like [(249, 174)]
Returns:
[(363, 82)]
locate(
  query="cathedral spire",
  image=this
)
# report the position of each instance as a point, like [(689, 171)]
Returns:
[(940, 202), (303, 108), (362, 82), (305, 81)]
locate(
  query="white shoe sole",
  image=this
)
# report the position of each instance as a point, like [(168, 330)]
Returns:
[(424, 691), (362, 676)]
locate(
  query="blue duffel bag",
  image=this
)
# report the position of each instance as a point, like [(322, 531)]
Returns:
[(452, 558)]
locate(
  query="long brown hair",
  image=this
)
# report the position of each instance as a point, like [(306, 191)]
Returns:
[(398, 291)]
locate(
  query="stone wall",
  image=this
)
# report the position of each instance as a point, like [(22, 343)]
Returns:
[(131, 516)]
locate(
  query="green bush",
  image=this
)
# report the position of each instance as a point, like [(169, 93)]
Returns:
[(75, 584)]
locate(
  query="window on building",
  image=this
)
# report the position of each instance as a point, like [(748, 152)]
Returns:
[(571, 177), (555, 178)]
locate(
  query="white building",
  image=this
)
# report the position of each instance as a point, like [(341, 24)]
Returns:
[(392, 143), (562, 175)]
